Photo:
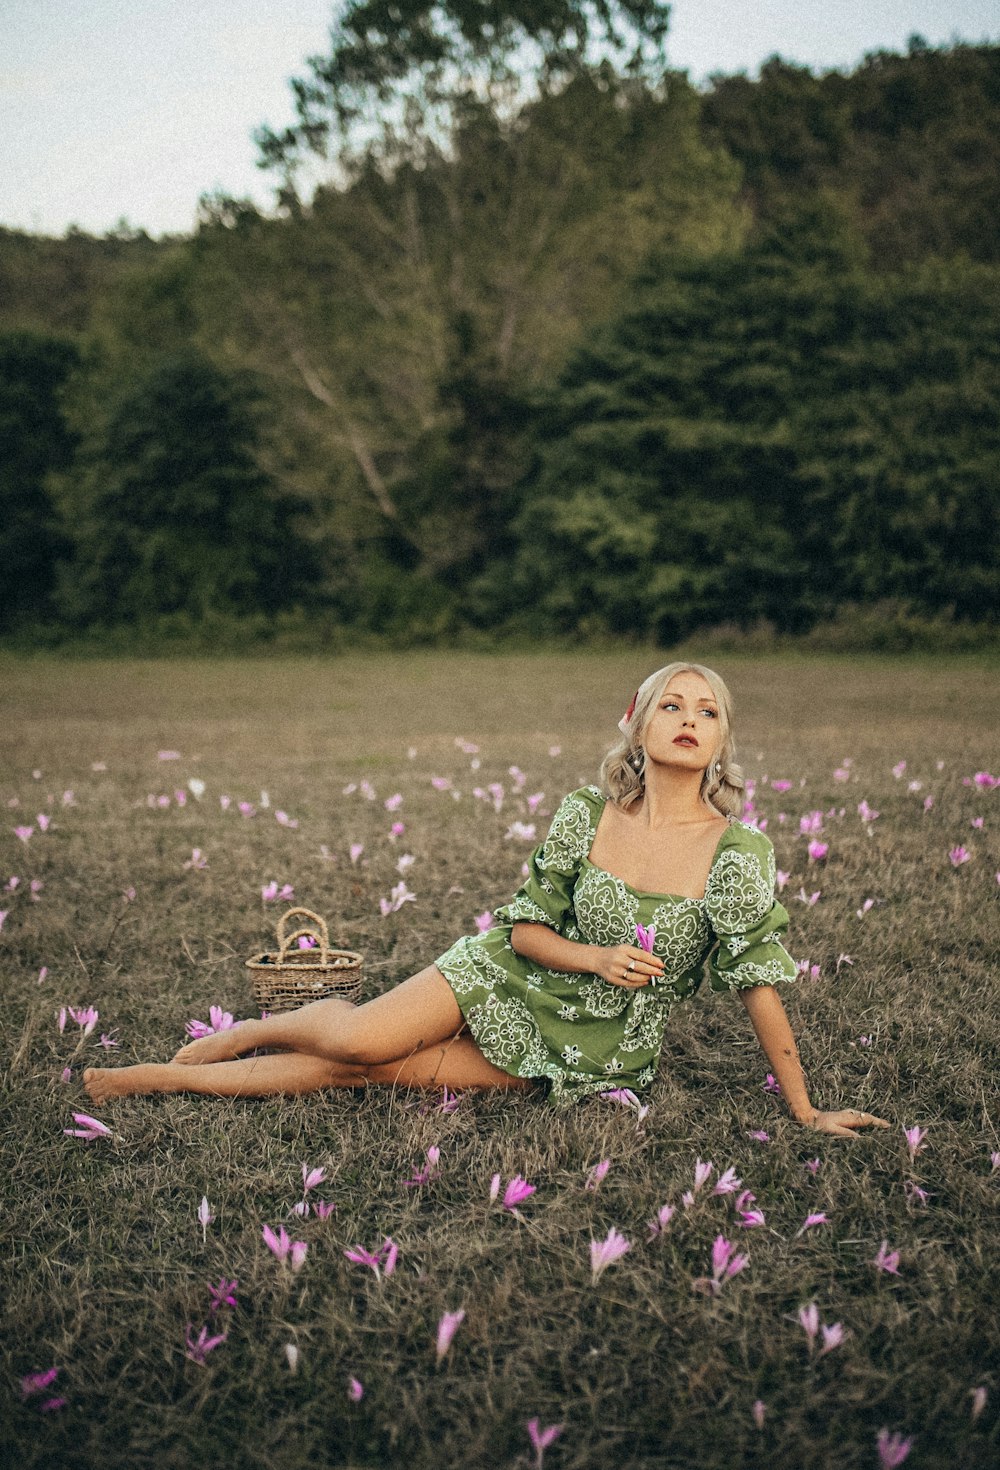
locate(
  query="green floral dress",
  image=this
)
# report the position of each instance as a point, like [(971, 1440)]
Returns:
[(578, 1032)]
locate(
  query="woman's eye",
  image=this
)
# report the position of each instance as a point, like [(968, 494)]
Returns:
[(710, 712)]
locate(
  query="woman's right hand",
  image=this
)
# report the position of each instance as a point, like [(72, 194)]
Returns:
[(628, 966)]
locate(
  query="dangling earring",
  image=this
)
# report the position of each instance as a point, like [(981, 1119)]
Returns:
[(712, 775), (637, 760)]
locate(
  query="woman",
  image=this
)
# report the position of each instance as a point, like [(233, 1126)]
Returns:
[(635, 886)]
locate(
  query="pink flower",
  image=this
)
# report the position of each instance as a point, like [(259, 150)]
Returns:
[(311, 1177), (428, 1171), (535, 801), (914, 1140), (24, 833), (809, 898), (887, 1260), (381, 1262), (833, 1336), (771, 1084), (542, 1438), (977, 823), (782, 878), (958, 855), (355, 1390), (441, 783), (928, 803), (702, 1173), (284, 1248), (197, 1349), (751, 1218), (596, 1174), (85, 1017), (323, 1208), (447, 1327), (759, 1135), (604, 1252), (484, 922), (727, 1183), (985, 781), (247, 809), (168, 755), (979, 1398), (781, 786), (517, 1191), (399, 895), (810, 1221), (33, 1383), (892, 1449), (222, 1295), (524, 831), (394, 802), (812, 1165), (811, 822), (817, 851), (868, 904), (205, 1216), (89, 1129), (898, 769), (915, 1194), (197, 862), (758, 1410), (284, 820), (809, 1322), (865, 812), (645, 937), (664, 1215)]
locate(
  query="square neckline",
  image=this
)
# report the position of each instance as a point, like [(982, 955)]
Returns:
[(645, 892)]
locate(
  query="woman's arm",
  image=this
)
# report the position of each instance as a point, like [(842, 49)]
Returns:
[(543, 945), (767, 1015), (769, 1021)]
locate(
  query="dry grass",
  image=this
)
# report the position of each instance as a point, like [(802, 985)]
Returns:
[(105, 1259)]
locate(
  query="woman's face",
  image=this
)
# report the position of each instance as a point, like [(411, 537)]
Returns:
[(684, 730)]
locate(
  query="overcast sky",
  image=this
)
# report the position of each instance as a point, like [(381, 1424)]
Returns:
[(113, 109)]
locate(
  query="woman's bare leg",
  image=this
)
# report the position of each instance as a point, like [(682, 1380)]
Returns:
[(456, 1064), (413, 1015)]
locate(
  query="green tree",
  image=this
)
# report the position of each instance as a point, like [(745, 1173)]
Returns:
[(35, 443), (767, 437), (169, 509)]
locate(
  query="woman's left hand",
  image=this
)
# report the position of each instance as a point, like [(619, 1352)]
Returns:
[(842, 1124)]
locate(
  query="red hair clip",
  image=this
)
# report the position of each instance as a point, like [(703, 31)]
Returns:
[(623, 723)]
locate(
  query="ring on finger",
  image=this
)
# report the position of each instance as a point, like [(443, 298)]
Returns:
[(631, 967)]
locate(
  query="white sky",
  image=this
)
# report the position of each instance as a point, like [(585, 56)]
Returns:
[(132, 109)]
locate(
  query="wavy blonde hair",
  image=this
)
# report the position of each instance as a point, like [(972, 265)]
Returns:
[(623, 768)]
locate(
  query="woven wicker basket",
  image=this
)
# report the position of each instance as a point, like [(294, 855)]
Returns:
[(289, 978)]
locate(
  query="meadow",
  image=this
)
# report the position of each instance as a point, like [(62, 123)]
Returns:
[(149, 808)]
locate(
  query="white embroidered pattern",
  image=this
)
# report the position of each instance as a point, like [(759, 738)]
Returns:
[(749, 973), (605, 909), (740, 890), (569, 836)]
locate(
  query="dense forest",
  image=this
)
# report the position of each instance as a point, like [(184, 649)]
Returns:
[(606, 354)]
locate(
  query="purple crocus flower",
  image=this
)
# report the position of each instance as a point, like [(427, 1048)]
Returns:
[(447, 1327)]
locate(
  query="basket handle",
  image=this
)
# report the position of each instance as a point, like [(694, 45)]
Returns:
[(285, 941)]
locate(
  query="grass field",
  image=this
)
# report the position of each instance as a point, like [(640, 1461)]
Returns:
[(107, 1268)]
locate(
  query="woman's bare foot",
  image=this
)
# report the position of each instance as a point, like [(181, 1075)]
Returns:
[(220, 1046), (105, 1082)]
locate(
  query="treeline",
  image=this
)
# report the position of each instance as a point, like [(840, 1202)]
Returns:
[(623, 357)]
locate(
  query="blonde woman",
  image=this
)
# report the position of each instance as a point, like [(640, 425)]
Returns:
[(639, 882)]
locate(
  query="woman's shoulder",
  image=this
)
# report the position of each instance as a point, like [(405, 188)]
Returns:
[(591, 797), (742, 837)]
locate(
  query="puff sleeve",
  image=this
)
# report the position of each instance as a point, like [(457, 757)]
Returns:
[(746, 917), (546, 895)]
